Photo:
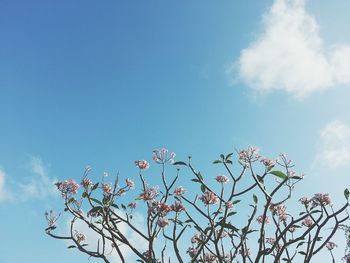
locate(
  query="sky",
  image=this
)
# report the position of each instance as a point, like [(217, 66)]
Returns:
[(104, 83)]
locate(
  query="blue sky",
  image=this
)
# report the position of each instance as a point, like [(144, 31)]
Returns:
[(85, 82)]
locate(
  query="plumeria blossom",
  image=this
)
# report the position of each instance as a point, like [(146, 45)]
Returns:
[(86, 183), (198, 238), (129, 183), (192, 252), (142, 164), (177, 207), (132, 205), (321, 199), (149, 193), (162, 222), (229, 204), (260, 219), (280, 211), (161, 156), (79, 237), (221, 179), (179, 191), (67, 188), (250, 154), (51, 218), (164, 209), (209, 198), (107, 188), (308, 222), (209, 258), (331, 245), (269, 163)]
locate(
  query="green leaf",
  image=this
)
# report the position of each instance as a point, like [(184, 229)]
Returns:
[(94, 210), (279, 174), (95, 200), (346, 194), (94, 187), (231, 213), (222, 156), (217, 161), (203, 188), (195, 180), (236, 202), (228, 156), (255, 199), (180, 163), (71, 246), (200, 176)]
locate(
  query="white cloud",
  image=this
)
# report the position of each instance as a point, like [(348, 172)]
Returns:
[(289, 54), (37, 185), (5, 195), (334, 145), (92, 238)]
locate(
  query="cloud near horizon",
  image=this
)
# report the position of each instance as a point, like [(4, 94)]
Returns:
[(289, 54), (334, 145)]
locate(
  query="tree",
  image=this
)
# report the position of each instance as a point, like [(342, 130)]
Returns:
[(242, 217)]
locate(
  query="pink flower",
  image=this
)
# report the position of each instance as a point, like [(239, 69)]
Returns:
[(249, 154), (132, 205), (229, 204), (162, 222), (270, 240), (209, 258), (177, 207), (161, 156), (107, 188), (304, 200), (268, 162), (67, 187), (179, 191), (79, 237), (308, 222), (149, 193), (209, 198), (221, 179), (192, 252), (198, 238), (86, 183), (331, 245), (321, 199), (163, 209), (260, 219), (51, 218), (121, 192), (142, 164), (129, 183)]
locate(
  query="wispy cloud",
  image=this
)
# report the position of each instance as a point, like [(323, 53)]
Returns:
[(92, 238), (334, 145), (37, 185), (290, 55)]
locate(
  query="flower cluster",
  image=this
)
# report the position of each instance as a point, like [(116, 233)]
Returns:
[(149, 193), (177, 207), (321, 199), (79, 237), (129, 183), (221, 179), (331, 245), (268, 162), (209, 198), (250, 154), (198, 238), (192, 252), (51, 218), (308, 222), (107, 188), (161, 156), (209, 258), (67, 188), (162, 222), (142, 164), (260, 219), (179, 191), (280, 211), (86, 183)]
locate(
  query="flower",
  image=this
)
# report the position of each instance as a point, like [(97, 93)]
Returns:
[(79, 236), (179, 191), (260, 219), (304, 200), (229, 204), (331, 245), (268, 162), (208, 257), (209, 198), (161, 156), (149, 193), (67, 187), (321, 199), (129, 183), (162, 222), (142, 164), (279, 210), (221, 179), (132, 205), (177, 207), (163, 209), (346, 258), (199, 237), (249, 154), (270, 240), (86, 183), (192, 252), (107, 188), (308, 222), (51, 217)]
